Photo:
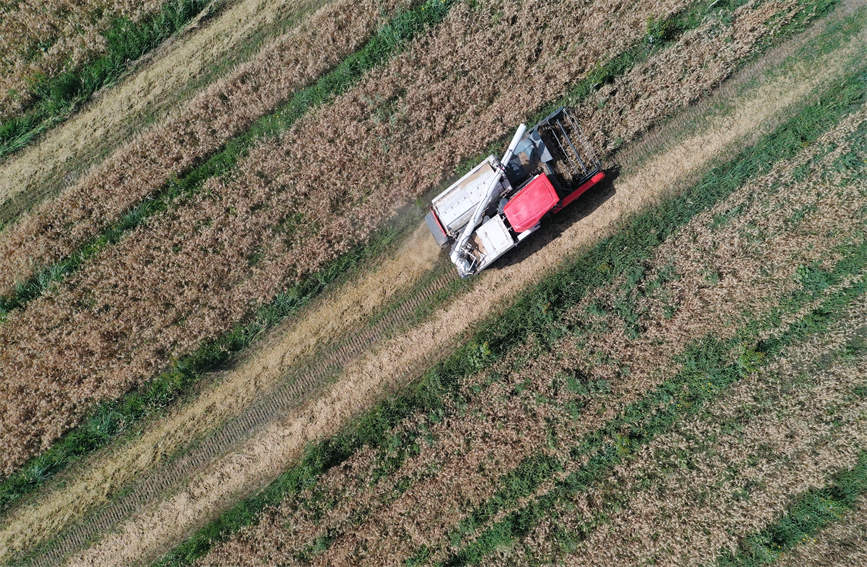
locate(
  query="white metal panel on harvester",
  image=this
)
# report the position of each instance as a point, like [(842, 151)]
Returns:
[(455, 205), (494, 238)]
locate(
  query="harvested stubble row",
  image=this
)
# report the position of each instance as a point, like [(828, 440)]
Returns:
[(388, 506), (44, 38), (191, 273), (139, 168), (179, 261)]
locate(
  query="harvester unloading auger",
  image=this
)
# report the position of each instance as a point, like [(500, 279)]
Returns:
[(500, 202)]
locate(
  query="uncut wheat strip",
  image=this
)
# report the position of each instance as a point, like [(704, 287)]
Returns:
[(156, 87), (788, 438), (74, 30), (383, 530), (716, 47), (177, 280), (263, 458), (842, 544), (221, 399), (58, 227)]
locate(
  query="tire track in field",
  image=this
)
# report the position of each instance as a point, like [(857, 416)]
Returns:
[(392, 363), (299, 383)]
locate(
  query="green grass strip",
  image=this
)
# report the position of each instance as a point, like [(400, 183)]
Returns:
[(109, 419), (527, 476), (808, 513), (708, 370), (57, 97), (536, 312)]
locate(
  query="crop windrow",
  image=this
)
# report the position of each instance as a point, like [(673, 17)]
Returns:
[(640, 235), (109, 418), (54, 98), (808, 513)]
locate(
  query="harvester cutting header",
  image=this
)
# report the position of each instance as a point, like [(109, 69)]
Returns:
[(500, 202)]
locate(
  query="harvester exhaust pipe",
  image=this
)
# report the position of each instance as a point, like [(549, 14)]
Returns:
[(459, 255)]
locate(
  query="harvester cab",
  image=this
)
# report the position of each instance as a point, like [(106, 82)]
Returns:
[(500, 202)]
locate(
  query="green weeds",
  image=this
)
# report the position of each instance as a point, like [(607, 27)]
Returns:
[(56, 97), (708, 369), (804, 517)]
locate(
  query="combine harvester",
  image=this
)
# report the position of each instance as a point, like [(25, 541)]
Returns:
[(499, 203)]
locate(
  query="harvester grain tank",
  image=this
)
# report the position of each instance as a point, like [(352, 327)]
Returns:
[(500, 202)]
